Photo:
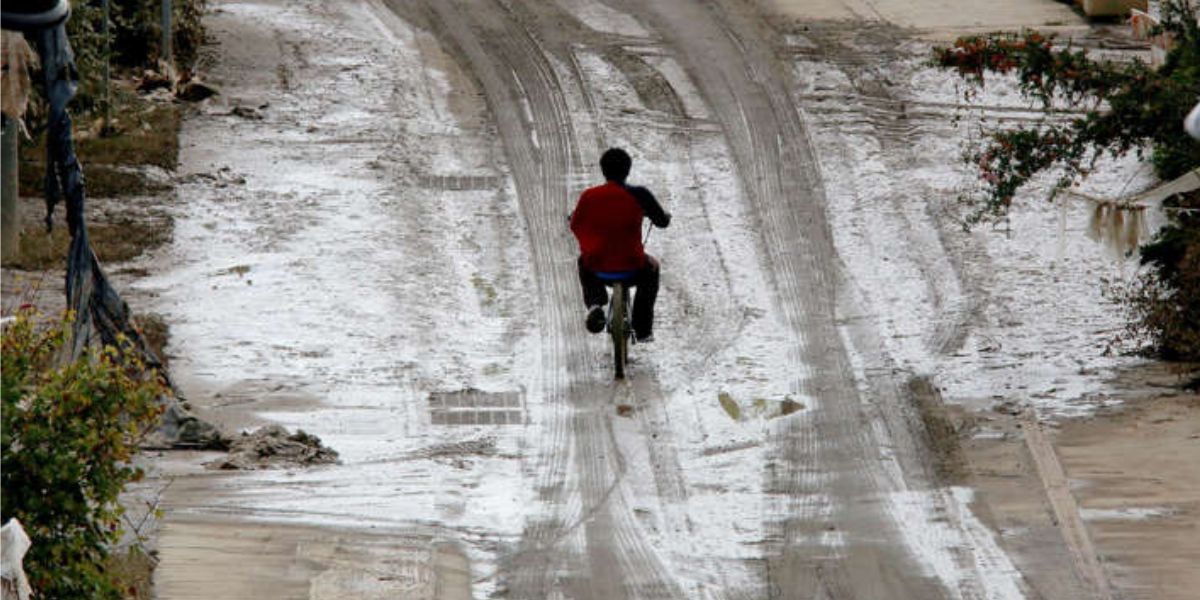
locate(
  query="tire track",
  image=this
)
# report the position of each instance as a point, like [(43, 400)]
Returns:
[(541, 146), (538, 173), (895, 129), (822, 467), (652, 438)]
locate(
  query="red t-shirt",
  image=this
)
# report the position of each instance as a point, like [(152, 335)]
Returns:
[(608, 224)]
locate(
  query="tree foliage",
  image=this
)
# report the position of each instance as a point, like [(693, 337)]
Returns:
[(1130, 106), (68, 434)]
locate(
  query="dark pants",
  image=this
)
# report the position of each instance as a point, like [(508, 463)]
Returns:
[(595, 293)]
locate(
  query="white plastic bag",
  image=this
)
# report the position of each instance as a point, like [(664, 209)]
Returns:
[(13, 546)]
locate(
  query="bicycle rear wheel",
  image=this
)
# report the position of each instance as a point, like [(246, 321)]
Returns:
[(617, 326)]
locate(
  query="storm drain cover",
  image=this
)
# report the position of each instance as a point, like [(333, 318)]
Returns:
[(460, 183), (475, 407)]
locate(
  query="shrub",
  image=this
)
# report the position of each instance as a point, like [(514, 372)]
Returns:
[(69, 430), (135, 43), (1164, 302)]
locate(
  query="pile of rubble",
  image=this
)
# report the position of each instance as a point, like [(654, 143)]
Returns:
[(273, 447)]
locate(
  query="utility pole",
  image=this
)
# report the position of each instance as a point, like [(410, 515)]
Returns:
[(9, 234), (166, 32)]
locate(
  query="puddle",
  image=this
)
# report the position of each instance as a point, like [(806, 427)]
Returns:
[(758, 408)]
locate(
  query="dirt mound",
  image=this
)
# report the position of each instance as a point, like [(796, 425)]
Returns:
[(272, 447)]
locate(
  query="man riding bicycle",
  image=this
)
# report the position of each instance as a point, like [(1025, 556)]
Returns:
[(607, 221)]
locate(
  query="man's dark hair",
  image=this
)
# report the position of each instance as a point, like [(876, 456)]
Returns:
[(615, 164)]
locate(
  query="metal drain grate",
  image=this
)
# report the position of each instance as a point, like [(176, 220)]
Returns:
[(475, 407), (460, 183)]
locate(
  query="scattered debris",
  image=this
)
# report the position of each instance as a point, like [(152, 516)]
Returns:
[(730, 405), (758, 408), (788, 406), (155, 80), (1011, 408), (458, 454), (246, 112), (239, 270), (273, 447), (224, 177), (482, 446), (730, 447)]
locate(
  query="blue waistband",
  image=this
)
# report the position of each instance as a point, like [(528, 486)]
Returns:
[(615, 275)]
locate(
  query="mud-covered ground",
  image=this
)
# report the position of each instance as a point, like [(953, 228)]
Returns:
[(370, 244)]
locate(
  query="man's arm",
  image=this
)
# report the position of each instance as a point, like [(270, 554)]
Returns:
[(574, 219), (654, 211)]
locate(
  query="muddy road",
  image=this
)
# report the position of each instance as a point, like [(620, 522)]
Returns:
[(371, 244)]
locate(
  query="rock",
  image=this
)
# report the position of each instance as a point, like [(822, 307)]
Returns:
[(195, 91), (179, 429)]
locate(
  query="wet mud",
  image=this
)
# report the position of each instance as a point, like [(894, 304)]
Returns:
[(381, 192)]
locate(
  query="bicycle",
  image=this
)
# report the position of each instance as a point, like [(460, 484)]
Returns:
[(619, 318)]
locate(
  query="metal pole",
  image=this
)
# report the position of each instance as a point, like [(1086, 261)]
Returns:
[(166, 31), (8, 189), (107, 68)]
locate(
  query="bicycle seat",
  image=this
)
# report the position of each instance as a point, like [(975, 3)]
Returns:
[(615, 276)]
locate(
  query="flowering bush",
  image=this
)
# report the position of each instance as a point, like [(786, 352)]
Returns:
[(1129, 106)]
